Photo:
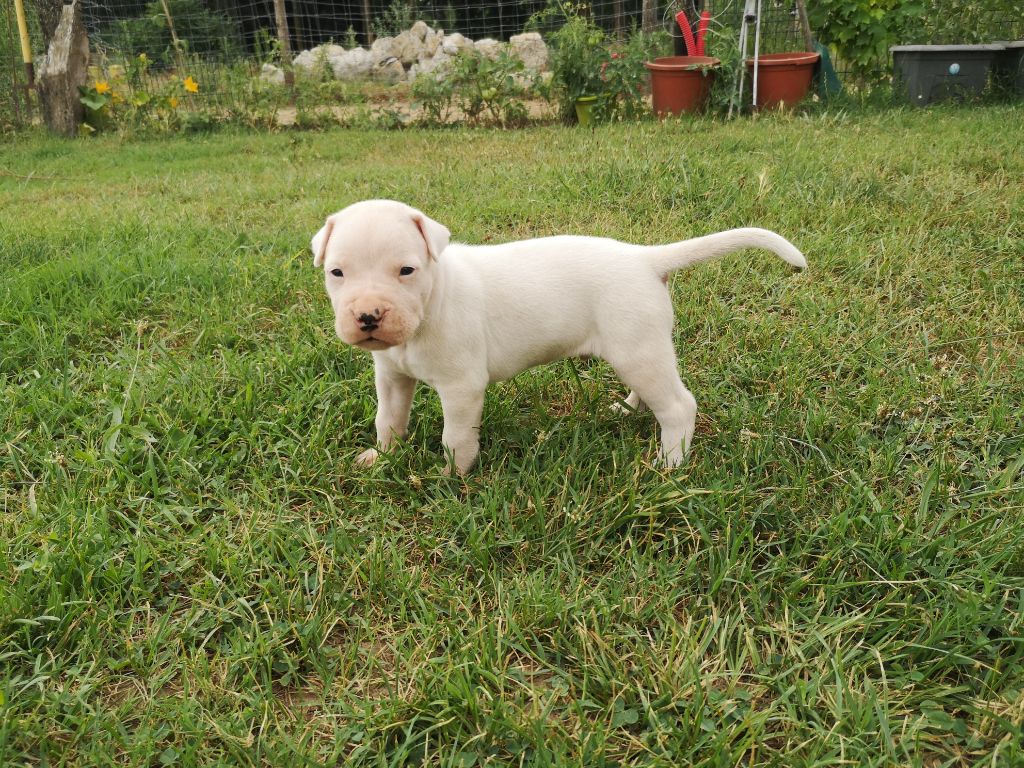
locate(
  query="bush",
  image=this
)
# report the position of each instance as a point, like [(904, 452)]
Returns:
[(585, 62), (481, 89), (624, 79), (862, 31), (579, 55)]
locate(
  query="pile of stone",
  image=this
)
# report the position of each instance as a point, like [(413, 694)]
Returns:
[(419, 49)]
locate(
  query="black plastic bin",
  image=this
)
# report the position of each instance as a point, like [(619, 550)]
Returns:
[(930, 73), (1008, 68)]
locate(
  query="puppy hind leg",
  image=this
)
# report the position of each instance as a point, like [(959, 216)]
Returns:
[(655, 380)]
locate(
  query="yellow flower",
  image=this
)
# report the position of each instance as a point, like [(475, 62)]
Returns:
[(191, 85), (102, 86), (143, 58), (173, 101)]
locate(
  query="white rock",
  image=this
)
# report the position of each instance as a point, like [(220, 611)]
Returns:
[(306, 61), (489, 48), (455, 42), (383, 48), (271, 74), (390, 71), (351, 65), (432, 41), (439, 64), (419, 30), (531, 49), (312, 60), (408, 46)]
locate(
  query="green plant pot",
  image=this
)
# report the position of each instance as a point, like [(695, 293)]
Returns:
[(584, 109)]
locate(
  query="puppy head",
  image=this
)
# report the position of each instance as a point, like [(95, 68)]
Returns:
[(378, 258)]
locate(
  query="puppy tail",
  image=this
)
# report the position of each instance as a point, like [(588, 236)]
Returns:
[(668, 258)]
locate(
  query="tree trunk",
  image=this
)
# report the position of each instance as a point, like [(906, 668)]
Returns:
[(649, 16), (63, 70), (48, 12)]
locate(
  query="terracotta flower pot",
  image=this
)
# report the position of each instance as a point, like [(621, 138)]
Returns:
[(681, 83), (783, 78)]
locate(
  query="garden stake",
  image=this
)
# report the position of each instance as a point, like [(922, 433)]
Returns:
[(757, 50), (748, 16), (26, 46)]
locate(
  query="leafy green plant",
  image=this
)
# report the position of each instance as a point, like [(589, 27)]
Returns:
[(579, 57), (399, 16), (267, 47), (435, 96), (122, 102), (721, 43), (586, 62), (624, 79), (862, 30), (481, 89)]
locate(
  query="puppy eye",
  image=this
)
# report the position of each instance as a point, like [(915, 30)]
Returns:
[(406, 270), (337, 273)]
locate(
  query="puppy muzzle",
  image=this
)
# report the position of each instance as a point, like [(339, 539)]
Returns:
[(374, 327)]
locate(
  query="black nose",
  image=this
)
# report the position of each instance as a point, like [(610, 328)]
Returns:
[(368, 322)]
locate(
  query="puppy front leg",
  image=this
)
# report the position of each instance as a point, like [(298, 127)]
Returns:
[(394, 401), (462, 406)]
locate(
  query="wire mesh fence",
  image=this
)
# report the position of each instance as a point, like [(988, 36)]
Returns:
[(13, 98), (243, 34), (249, 27), (246, 33)]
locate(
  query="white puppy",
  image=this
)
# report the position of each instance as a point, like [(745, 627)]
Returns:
[(459, 317)]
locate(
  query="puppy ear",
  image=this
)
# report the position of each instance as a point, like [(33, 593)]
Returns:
[(319, 244), (436, 235)]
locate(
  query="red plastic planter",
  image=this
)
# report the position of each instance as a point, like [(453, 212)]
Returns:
[(681, 83), (783, 78)]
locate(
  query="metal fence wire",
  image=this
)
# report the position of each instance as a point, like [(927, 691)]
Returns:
[(228, 30)]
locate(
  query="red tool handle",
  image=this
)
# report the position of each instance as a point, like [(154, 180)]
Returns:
[(684, 27), (702, 30)]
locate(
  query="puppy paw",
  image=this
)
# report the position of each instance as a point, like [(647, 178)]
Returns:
[(669, 461), (367, 457), (632, 404)]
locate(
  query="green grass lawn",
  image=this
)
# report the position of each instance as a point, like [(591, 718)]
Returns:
[(193, 572)]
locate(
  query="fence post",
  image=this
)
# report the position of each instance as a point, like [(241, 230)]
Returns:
[(284, 39), (649, 15), (368, 19)]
